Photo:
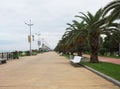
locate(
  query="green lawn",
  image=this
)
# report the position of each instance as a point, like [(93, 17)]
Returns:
[(112, 70)]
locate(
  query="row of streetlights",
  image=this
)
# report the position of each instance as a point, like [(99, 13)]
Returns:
[(39, 43), (29, 37)]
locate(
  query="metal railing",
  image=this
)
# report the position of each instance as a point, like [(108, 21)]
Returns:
[(8, 55)]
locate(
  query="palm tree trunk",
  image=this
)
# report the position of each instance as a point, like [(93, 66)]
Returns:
[(71, 52), (94, 48), (94, 58), (80, 49)]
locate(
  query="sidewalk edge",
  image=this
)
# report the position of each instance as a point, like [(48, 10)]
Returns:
[(103, 75)]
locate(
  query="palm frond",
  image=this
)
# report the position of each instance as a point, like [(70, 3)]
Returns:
[(111, 6)]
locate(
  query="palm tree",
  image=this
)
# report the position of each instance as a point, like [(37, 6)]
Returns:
[(114, 9), (67, 36), (93, 25), (66, 44), (113, 12), (73, 38), (112, 39), (78, 37)]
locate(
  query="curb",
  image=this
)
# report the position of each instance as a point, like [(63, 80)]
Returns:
[(103, 75)]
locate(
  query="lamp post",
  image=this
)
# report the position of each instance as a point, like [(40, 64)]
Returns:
[(30, 24), (119, 49), (39, 43), (119, 29)]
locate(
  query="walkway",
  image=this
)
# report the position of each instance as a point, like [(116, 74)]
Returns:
[(49, 71), (106, 59)]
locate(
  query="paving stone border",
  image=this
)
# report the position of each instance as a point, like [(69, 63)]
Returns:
[(103, 75)]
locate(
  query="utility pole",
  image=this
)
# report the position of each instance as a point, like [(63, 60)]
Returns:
[(30, 24)]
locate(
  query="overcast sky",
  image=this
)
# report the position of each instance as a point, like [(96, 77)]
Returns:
[(48, 16)]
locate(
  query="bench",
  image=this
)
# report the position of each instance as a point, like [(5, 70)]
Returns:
[(76, 59), (2, 61), (61, 54)]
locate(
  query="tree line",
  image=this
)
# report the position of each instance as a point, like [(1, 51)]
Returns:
[(94, 33)]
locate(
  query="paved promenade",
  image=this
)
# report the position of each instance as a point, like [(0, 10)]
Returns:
[(106, 59), (49, 71)]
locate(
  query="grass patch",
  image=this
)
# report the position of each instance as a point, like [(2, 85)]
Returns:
[(112, 70)]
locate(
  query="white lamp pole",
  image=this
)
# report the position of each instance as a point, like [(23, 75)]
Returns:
[(119, 42), (39, 43), (119, 49), (29, 24)]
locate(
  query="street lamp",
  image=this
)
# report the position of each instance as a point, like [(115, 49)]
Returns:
[(119, 29), (119, 49), (39, 43), (30, 24)]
